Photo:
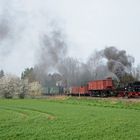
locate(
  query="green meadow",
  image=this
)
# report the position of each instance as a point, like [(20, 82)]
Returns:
[(69, 119)]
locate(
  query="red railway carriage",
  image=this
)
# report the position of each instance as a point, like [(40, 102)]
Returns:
[(83, 90), (101, 87), (101, 84), (75, 90), (106, 88)]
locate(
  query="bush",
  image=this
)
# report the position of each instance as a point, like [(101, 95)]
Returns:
[(35, 89), (9, 86)]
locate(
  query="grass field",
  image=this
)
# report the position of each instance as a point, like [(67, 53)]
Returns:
[(69, 119)]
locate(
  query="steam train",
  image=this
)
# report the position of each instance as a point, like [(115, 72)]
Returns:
[(106, 88)]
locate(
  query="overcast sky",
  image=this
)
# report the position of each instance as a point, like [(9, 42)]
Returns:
[(87, 24)]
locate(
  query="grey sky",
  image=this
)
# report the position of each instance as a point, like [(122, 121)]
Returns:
[(88, 25)]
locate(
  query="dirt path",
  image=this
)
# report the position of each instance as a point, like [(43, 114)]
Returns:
[(64, 97), (116, 99)]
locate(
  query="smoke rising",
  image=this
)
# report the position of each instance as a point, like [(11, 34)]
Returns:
[(53, 59), (52, 52), (4, 29), (118, 61), (54, 47)]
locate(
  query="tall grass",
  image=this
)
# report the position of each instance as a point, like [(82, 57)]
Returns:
[(69, 119)]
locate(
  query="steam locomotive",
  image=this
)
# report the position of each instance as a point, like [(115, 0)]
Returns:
[(106, 88)]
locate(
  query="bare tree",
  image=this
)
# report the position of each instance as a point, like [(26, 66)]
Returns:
[(69, 69), (136, 72), (94, 61)]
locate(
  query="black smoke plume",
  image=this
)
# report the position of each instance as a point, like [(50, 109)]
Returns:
[(4, 29), (52, 52), (54, 65), (118, 61)]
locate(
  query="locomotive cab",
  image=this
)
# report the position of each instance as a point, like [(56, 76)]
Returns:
[(133, 89)]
